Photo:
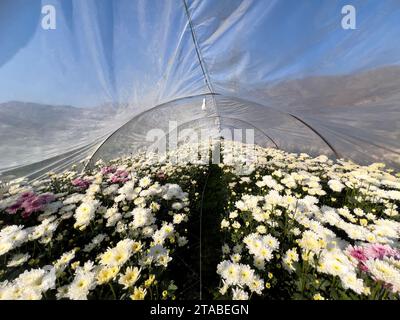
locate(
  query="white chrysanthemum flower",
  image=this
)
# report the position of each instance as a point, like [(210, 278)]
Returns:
[(224, 223), (5, 246), (384, 271), (239, 294), (37, 280), (142, 217), (163, 260), (310, 241), (236, 257), (144, 182), (74, 198), (229, 271), (177, 206), (130, 277), (261, 246), (18, 259), (289, 258), (157, 250), (256, 285), (171, 191), (178, 218), (85, 213), (83, 282), (226, 249), (62, 292), (236, 225), (138, 293), (350, 281), (182, 241), (259, 263)]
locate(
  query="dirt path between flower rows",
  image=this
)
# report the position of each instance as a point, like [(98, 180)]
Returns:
[(195, 266)]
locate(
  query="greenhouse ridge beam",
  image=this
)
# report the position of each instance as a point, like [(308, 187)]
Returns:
[(197, 48), (201, 59)]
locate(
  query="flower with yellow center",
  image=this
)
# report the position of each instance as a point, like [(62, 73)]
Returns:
[(256, 244), (232, 270), (366, 291), (163, 260), (322, 243), (82, 283), (138, 294), (136, 246), (119, 257), (371, 238), (168, 229), (106, 257), (85, 208), (245, 275), (106, 274), (266, 215), (337, 268), (318, 297), (265, 253), (16, 293), (150, 280), (129, 278), (292, 255)]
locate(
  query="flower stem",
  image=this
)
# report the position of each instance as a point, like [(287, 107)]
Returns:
[(112, 290)]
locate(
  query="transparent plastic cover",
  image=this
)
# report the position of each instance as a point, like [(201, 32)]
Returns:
[(88, 79)]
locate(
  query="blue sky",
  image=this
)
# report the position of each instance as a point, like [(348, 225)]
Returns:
[(141, 51)]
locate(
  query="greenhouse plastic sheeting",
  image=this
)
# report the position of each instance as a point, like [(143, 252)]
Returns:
[(107, 72)]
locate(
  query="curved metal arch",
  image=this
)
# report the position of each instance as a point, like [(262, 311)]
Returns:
[(337, 155), (335, 152), (159, 106), (214, 117)]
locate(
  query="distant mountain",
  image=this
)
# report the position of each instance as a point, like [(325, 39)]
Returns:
[(359, 114), (31, 132), (320, 92)]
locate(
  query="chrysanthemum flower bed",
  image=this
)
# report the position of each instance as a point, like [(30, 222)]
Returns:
[(292, 227), (108, 234), (298, 227)]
